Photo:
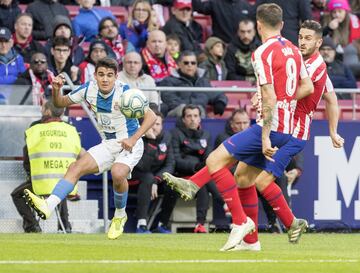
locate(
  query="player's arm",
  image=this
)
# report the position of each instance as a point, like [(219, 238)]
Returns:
[(305, 88), (58, 99), (148, 122), (332, 111), (268, 105)]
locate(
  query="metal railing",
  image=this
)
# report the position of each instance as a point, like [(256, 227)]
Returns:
[(353, 91)]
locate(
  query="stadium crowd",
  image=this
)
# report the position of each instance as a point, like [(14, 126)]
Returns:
[(165, 43)]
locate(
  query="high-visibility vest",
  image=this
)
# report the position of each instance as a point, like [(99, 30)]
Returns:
[(52, 147)]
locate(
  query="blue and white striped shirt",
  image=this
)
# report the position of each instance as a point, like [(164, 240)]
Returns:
[(111, 122)]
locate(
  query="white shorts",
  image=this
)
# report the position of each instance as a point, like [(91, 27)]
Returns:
[(110, 151)]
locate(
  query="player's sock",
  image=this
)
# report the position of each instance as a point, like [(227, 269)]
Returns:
[(201, 177), (120, 200), (249, 202), (59, 193), (276, 199), (227, 187), (141, 222)]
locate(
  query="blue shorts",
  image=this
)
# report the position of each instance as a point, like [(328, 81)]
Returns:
[(246, 146)]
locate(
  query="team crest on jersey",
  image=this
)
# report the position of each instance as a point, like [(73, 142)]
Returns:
[(163, 147), (105, 120), (157, 69), (203, 143)]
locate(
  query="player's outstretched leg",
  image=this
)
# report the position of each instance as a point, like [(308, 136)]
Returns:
[(186, 188), (38, 204), (297, 228), (237, 234)]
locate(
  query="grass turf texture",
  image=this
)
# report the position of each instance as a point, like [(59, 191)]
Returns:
[(315, 253)]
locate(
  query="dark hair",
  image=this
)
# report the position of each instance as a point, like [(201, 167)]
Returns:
[(107, 63), (313, 25), (185, 53), (55, 111), (190, 107), (269, 14), (103, 20), (61, 41), (247, 21), (238, 111), (173, 37), (23, 15)]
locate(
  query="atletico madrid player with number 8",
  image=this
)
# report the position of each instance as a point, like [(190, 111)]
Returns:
[(282, 79)]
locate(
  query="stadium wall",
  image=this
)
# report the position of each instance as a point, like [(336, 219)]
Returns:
[(328, 192)]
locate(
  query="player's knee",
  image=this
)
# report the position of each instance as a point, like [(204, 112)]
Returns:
[(119, 176), (74, 169)]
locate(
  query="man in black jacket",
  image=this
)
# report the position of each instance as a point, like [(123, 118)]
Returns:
[(238, 55), (339, 73), (43, 13), (38, 77), (238, 122), (191, 146), (9, 10), (225, 15), (158, 158), (294, 13), (189, 75), (182, 24), (23, 39)]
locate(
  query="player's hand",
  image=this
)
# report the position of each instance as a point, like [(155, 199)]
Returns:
[(337, 141), (154, 191), (267, 150), (58, 82), (128, 143)]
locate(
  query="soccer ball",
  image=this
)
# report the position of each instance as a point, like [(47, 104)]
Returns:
[(133, 103)]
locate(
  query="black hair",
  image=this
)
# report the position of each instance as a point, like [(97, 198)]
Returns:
[(107, 63), (190, 107)]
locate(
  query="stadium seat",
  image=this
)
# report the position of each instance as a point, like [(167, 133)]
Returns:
[(205, 22)]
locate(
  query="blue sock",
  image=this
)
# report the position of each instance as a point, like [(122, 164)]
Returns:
[(63, 188), (120, 199)]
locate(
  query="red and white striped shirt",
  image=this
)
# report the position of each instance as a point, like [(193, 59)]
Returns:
[(279, 62), (305, 108)]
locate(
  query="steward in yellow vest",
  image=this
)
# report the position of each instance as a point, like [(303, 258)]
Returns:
[(51, 145)]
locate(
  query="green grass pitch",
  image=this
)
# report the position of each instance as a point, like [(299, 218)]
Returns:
[(187, 253)]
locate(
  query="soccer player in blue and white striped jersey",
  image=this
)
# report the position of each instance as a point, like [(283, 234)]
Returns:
[(120, 150)]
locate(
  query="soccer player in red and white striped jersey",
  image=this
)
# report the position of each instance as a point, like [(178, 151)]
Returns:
[(281, 77), (310, 39), (279, 63)]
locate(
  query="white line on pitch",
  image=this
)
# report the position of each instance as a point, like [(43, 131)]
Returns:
[(175, 261)]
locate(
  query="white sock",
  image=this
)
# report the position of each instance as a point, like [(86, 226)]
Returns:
[(141, 222), (120, 213), (53, 201), (160, 224)]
